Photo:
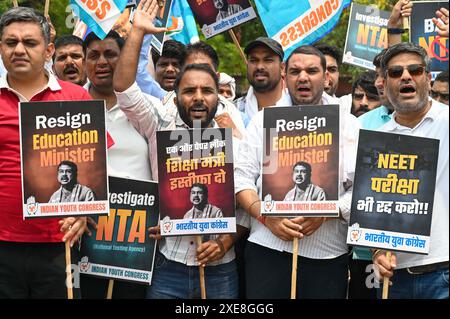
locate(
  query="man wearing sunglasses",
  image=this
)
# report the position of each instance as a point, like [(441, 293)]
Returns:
[(439, 90), (407, 84)]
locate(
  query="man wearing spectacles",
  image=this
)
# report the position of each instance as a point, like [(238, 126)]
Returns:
[(364, 94), (407, 83), (439, 90)]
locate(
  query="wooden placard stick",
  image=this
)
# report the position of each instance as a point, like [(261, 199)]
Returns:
[(294, 268), (405, 21), (47, 5), (238, 46), (15, 3), (110, 289), (69, 271), (202, 272), (386, 279)]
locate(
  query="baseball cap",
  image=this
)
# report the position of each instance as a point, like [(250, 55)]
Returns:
[(268, 42)]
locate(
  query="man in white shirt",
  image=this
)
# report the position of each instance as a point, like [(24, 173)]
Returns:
[(322, 270), (407, 84), (265, 70)]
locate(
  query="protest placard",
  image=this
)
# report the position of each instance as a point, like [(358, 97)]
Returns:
[(217, 16), (63, 153), (196, 182), (300, 173), (366, 35), (423, 32), (393, 192), (120, 247)]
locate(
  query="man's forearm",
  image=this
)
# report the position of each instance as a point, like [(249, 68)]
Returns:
[(249, 200), (125, 73)]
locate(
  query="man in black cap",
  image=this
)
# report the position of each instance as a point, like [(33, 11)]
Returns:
[(265, 69)]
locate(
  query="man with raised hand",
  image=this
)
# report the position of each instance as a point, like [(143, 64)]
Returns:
[(197, 100)]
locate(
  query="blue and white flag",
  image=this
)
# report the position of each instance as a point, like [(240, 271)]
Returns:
[(99, 16), (181, 25), (295, 23)]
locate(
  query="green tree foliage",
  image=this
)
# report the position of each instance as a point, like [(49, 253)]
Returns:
[(58, 12)]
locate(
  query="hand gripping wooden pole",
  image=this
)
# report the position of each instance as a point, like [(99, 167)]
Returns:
[(202, 272), (294, 268)]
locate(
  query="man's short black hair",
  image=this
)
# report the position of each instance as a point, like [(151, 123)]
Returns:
[(404, 47), (206, 49), (203, 187), (332, 51), (67, 40), (377, 59), (111, 35), (442, 77), (367, 82), (199, 67), (25, 14), (309, 50), (171, 49), (304, 164)]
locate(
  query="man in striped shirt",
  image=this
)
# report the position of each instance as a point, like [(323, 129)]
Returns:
[(322, 261)]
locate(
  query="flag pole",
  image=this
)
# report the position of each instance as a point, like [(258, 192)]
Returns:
[(238, 46)]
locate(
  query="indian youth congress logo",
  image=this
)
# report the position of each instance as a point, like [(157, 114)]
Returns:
[(167, 225), (32, 206), (355, 232), (268, 203), (84, 264)]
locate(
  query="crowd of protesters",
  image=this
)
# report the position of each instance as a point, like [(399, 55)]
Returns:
[(187, 86)]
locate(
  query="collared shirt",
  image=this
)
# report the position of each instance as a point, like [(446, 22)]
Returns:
[(433, 125), (375, 118), (12, 226), (129, 156), (146, 114), (249, 104), (329, 240), (146, 82)]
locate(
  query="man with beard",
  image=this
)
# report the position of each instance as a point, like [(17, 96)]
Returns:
[(323, 250), (407, 83), (70, 190), (364, 94), (196, 90), (68, 60), (304, 190), (265, 69), (225, 9)]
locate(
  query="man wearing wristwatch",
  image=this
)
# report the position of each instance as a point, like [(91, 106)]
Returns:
[(407, 81)]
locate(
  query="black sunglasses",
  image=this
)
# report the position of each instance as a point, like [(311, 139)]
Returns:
[(435, 95), (396, 71)]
